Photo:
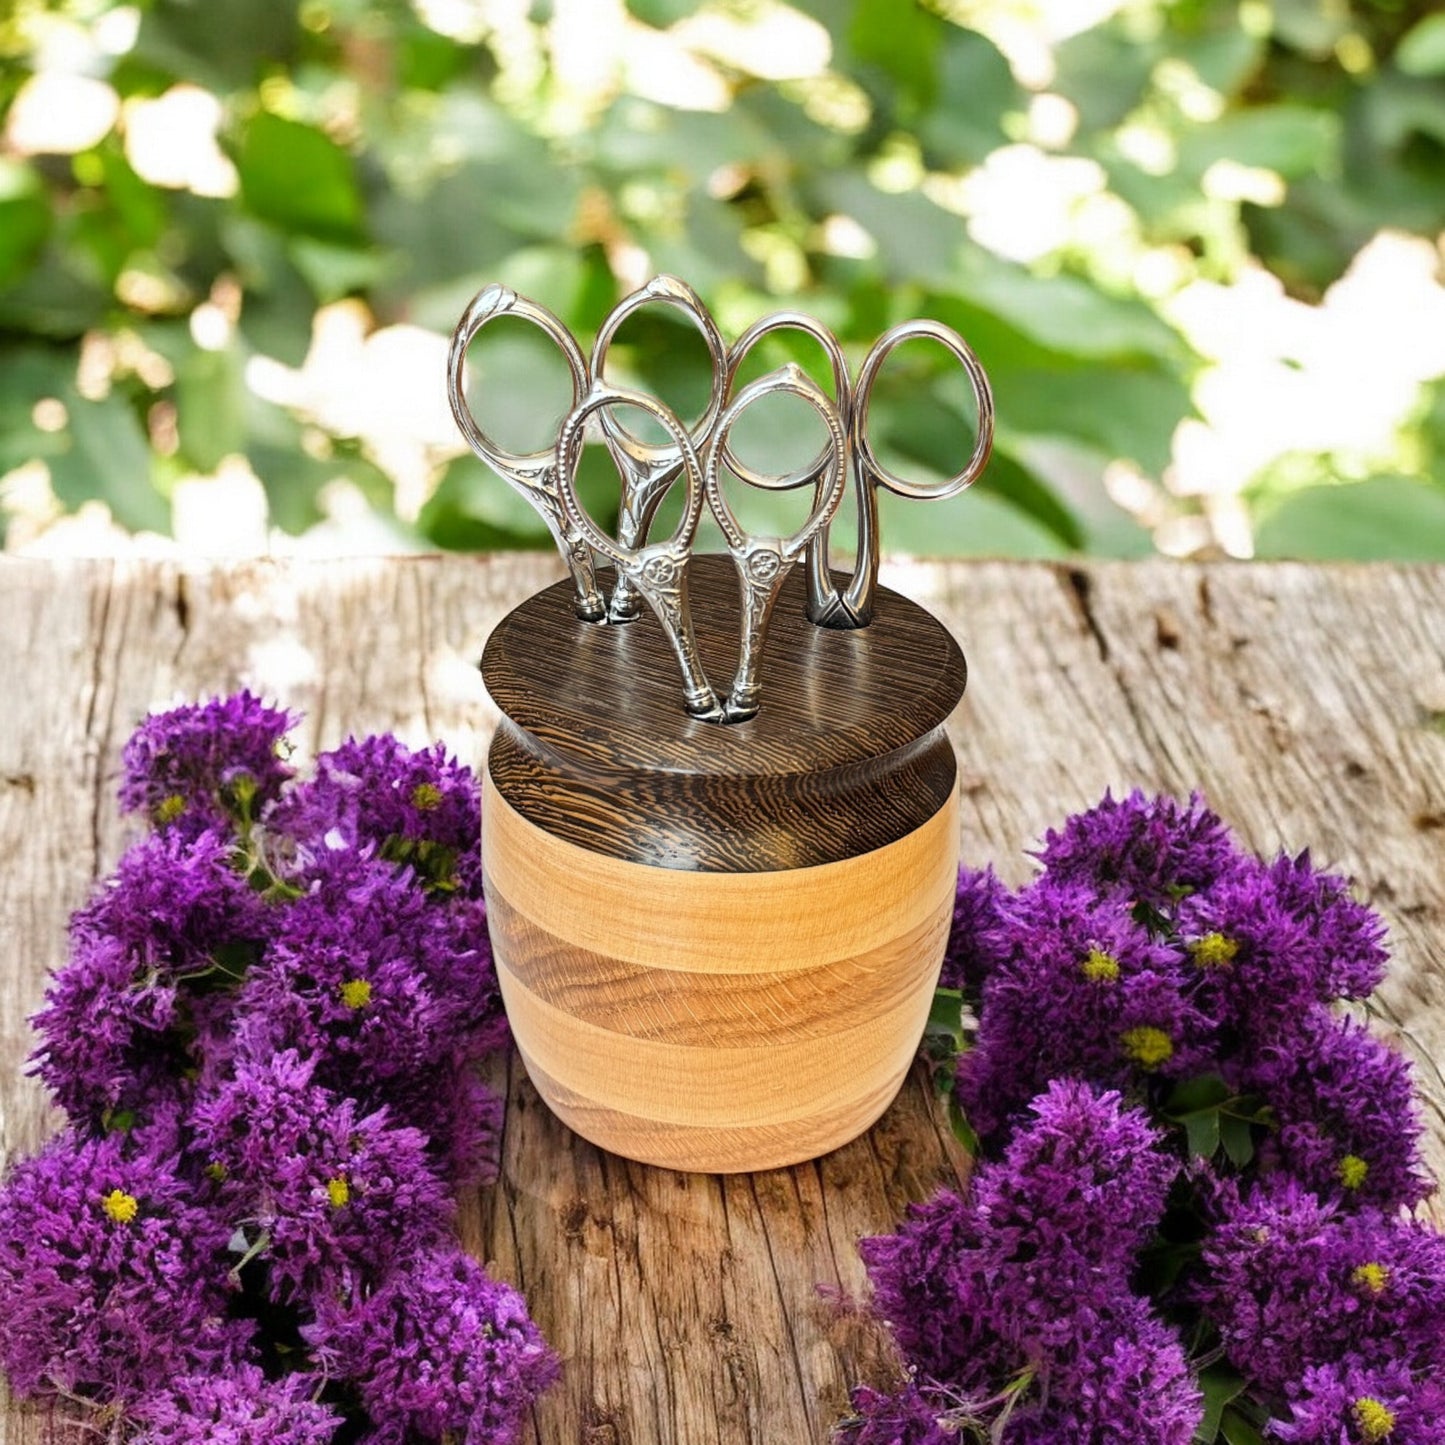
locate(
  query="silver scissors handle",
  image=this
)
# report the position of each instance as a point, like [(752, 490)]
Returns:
[(820, 583), (649, 470), (534, 474), (763, 563), (853, 607), (657, 570)]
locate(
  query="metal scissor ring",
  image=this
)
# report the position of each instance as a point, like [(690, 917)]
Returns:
[(793, 380), (882, 349), (569, 442), (667, 291), (842, 394), (488, 304), (533, 474)]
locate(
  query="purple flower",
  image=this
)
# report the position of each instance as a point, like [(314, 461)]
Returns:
[(239, 1407), (460, 1116), (439, 1350), (207, 765), (1022, 1271), (1292, 1283), (338, 1194), (1270, 944), (977, 939), (1347, 1405), (908, 1416), (112, 1280), (373, 975), (421, 806), (1150, 850), (110, 1043), (1348, 1120), (179, 907), (1082, 992)]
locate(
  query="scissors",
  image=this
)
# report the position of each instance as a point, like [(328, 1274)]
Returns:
[(657, 570), (648, 470), (534, 474), (763, 563), (852, 607), (820, 582)]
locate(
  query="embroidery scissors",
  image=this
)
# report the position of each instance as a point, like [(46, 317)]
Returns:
[(532, 474), (763, 562), (657, 570), (852, 607), (648, 470)]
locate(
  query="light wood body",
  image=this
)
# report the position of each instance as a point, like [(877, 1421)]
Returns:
[(717, 1021)]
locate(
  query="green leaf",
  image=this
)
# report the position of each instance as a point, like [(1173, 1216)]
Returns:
[(24, 219), (902, 39), (1422, 51), (978, 89), (945, 1016), (1238, 1137), (963, 1131), (1205, 1091), (108, 456), (299, 179), (1238, 1429), (1219, 1385), (1202, 1130), (211, 407), (1386, 518), (1290, 139), (186, 39)]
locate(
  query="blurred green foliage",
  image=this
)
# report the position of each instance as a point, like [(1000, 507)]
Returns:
[(399, 156)]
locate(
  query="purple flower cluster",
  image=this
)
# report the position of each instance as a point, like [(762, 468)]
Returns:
[(1016, 1304), (1183, 1138), (265, 1041)]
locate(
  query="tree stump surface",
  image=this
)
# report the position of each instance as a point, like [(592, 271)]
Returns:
[(1306, 702)]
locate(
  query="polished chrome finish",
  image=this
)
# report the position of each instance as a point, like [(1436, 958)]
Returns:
[(657, 570), (534, 475), (853, 607), (763, 562), (647, 469), (821, 592)]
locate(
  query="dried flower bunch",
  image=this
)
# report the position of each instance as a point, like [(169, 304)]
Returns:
[(1192, 1214), (264, 1041)]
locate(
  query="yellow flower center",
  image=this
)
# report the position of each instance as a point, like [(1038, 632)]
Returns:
[(121, 1207), (1376, 1420), (169, 809), (426, 796), (338, 1191), (355, 992), (1372, 1278), (216, 1170), (1214, 950), (1352, 1171), (1100, 967), (1147, 1046)]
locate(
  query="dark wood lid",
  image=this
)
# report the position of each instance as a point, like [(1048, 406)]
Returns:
[(611, 696)]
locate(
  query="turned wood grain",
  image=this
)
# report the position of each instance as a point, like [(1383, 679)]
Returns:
[(778, 1009), (611, 697), (726, 923), (724, 823), (1308, 702)]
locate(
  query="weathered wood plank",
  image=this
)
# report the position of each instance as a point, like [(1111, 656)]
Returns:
[(1308, 703)]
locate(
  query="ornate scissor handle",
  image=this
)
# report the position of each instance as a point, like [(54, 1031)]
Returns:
[(820, 582), (657, 570), (648, 469), (532, 474), (853, 607), (763, 562)]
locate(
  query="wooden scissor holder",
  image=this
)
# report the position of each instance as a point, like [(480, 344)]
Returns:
[(718, 944)]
